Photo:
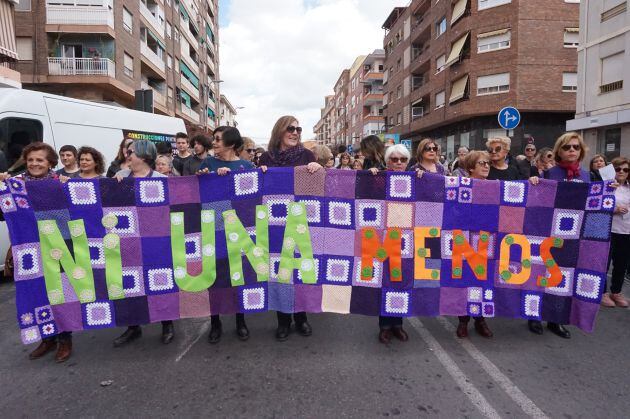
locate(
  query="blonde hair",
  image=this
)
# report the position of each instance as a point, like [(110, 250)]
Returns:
[(470, 161), (505, 142), (278, 132), (564, 140), (322, 154), (421, 147)]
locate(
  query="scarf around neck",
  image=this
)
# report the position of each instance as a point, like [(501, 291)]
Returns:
[(572, 169), (50, 175), (287, 157)]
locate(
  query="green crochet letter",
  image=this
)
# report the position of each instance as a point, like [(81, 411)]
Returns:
[(208, 275), (297, 235), (55, 255), (238, 240)]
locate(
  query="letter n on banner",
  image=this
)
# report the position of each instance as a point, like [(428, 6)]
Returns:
[(477, 260), (391, 249), (55, 255)]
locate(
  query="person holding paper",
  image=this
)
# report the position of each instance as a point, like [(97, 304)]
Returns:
[(597, 162)]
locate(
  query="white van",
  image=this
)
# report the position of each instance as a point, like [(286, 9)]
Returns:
[(27, 116)]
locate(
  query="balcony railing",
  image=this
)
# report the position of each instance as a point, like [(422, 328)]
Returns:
[(194, 67), (155, 24), (152, 56), (58, 66), (190, 113), (190, 87), (189, 36), (79, 15)]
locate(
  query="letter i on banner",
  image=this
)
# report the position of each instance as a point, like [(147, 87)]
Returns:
[(208, 275), (422, 253), (238, 240), (371, 248), (113, 259), (477, 260), (55, 255), (297, 235)]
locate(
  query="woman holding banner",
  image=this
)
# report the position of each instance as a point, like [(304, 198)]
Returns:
[(226, 143), (285, 150)]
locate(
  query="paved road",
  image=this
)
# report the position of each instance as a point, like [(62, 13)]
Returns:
[(341, 371)]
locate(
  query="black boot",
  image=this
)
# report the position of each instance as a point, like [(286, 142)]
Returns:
[(535, 326), (132, 333), (168, 332), (216, 330), (304, 328), (241, 328), (559, 330)]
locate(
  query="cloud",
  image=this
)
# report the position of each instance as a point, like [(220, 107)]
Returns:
[(282, 57)]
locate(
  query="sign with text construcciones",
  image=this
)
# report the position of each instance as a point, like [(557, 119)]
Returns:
[(94, 254)]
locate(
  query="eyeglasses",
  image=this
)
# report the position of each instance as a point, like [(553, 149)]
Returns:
[(622, 169), (129, 152), (251, 150), (291, 129), (568, 147), (495, 150), (398, 159), (431, 148), (484, 163)]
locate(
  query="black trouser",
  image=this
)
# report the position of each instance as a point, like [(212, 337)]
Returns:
[(467, 318), (164, 323), (389, 322), (61, 337), (620, 257), (284, 319), (215, 319)]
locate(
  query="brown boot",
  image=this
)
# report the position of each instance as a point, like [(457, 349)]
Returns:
[(46, 346), (462, 327), (64, 350), (482, 327)]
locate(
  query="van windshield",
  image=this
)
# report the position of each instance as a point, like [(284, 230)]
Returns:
[(15, 134)]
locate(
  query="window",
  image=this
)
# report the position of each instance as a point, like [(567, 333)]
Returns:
[(571, 37), (440, 27), (487, 4), (494, 40), (399, 92), (169, 60), (24, 48), (176, 34), (169, 92), (459, 10), (15, 134), (23, 6), (399, 119), (128, 65), (127, 20), (439, 99), (569, 82), (439, 63), (612, 12), (493, 83), (612, 73), (457, 50), (458, 89), (169, 30)]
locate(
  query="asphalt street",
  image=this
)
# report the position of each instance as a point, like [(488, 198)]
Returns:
[(340, 371)]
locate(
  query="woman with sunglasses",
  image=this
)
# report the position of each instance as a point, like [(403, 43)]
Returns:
[(141, 156), (428, 158), (345, 161), (544, 160), (285, 150), (397, 157), (498, 149), (248, 151), (120, 162), (597, 162), (477, 166), (324, 156), (620, 235)]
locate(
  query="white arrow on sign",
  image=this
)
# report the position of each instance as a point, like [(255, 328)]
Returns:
[(509, 117)]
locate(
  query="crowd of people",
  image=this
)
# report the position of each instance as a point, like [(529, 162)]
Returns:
[(226, 151)]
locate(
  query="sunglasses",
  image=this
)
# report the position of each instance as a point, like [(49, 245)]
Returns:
[(530, 149), (129, 153), (484, 163), (622, 169), (568, 147), (431, 148), (398, 159), (291, 129), (251, 150), (495, 149)]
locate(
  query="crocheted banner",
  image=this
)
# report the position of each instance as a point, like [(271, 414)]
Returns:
[(97, 253)]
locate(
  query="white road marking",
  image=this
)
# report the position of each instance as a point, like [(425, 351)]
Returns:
[(204, 329), (524, 402), (454, 371)]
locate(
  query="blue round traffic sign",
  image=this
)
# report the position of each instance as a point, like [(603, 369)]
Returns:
[(509, 117)]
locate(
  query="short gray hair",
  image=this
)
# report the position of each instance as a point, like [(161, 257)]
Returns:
[(397, 148), (505, 142), (145, 150)]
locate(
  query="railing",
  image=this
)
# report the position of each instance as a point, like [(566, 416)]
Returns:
[(190, 113), (189, 36), (194, 67), (152, 56), (79, 15), (58, 66), (210, 62), (212, 7), (153, 21), (190, 87)]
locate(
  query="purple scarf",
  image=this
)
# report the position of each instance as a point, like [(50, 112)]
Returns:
[(50, 175), (288, 157)]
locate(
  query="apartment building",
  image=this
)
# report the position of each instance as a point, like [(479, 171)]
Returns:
[(603, 79), (228, 113), (452, 65), (356, 105), (107, 50), (9, 76)]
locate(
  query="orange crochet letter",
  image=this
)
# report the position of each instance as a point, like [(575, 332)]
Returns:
[(526, 262), (371, 248), (555, 277), (420, 268), (477, 260)]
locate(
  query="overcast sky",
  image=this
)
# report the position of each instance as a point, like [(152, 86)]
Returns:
[(282, 57)]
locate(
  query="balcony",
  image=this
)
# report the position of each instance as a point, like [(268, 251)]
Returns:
[(152, 57), (190, 113), (190, 88), (194, 67), (58, 66), (373, 98), (192, 40), (9, 76), (211, 8), (372, 76), (151, 20), (372, 117), (158, 97), (96, 13)]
